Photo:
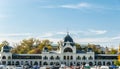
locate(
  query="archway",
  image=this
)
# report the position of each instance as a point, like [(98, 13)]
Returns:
[(51, 63), (17, 63), (78, 63), (84, 63), (36, 63), (45, 63), (90, 63), (99, 63), (71, 63), (108, 63)]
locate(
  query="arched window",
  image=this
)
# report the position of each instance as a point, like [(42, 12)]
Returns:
[(90, 58), (64, 57), (90, 63), (99, 63), (108, 63), (17, 63), (45, 63), (57, 58), (9, 57), (45, 57), (67, 57), (52, 58), (51, 63), (36, 63), (68, 49), (71, 57), (78, 58), (4, 57), (84, 58)]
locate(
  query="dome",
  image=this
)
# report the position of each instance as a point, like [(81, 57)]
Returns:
[(6, 48), (68, 38)]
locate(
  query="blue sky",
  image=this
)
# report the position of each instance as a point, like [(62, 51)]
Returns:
[(88, 21)]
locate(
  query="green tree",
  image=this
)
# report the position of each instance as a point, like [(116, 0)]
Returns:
[(113, 51), (117, 63)]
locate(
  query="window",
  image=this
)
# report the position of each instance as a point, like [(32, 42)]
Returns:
[(3, 57), (52, 58), (84, 58)]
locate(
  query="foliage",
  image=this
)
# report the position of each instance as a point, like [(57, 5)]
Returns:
[(3, 44), (117, 63), (31, 46), (113, 51)]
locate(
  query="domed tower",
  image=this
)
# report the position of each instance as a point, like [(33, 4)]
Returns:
[(68, 39), (6, 55), (6, 49), (68, 44)]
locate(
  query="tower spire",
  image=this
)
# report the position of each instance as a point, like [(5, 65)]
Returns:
[(67, 31)]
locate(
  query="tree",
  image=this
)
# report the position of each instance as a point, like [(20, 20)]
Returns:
[(31, 46), (117, 63), (78, 47), (113, 51), (3, 44)]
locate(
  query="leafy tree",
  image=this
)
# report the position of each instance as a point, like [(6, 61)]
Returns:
[(117, 63), (3, 44), (78, 47), (113, 51)]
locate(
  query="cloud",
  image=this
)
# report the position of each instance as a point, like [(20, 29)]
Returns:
[(62, 33), (15, 35), (83, 5), (70, 6), (116, 38), (94, 40), (46, 35), (98, 31), (76, 6)]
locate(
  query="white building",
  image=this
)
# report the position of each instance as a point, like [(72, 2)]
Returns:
[(68, 55)]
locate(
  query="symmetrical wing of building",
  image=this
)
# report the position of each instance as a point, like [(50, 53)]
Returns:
[(67, 55)]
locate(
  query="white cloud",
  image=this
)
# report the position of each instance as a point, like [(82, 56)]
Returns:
[(45, 35), (84, 5), (76, 6), (116, 38), (98, 31), (15, 35), (61, 33), (94, 40)]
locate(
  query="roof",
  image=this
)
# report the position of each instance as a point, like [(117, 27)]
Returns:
[(68, 38)]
